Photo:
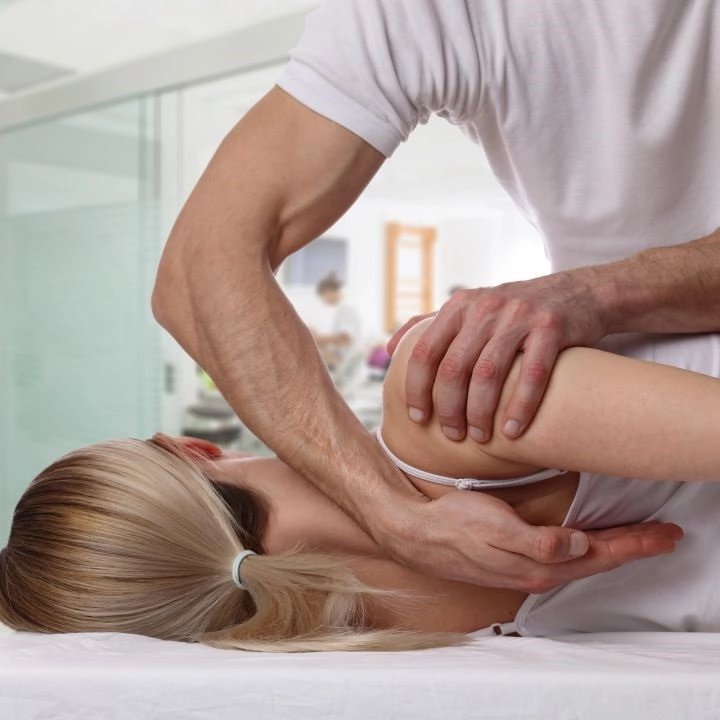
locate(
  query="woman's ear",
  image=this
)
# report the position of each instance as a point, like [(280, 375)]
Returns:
[(195, 447), (199, 447)]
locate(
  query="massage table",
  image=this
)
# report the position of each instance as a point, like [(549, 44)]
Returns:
[(611, 676)]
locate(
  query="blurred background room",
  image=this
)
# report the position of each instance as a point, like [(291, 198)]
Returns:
[(109, 112)]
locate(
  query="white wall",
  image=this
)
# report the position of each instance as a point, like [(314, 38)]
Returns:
[(439, 179), (478, 244), (362, 226)]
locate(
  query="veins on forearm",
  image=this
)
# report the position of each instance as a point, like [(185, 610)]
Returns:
[(672, 289)]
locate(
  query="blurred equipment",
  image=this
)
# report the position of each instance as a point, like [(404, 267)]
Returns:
[(211, 417)]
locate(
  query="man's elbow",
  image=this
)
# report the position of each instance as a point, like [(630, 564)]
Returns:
[(165, 299), (158, 304)]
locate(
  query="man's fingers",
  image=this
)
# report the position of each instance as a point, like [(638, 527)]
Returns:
[(455, 374), (422, 366), (611, 548), (608, 549), (486, 383), (535, 369), (545, 554), (652, 530)]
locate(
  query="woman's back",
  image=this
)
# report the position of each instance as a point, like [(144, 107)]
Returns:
[(677, 592)]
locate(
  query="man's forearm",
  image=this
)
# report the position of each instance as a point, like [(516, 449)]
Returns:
[(267, 366), (660, 290)]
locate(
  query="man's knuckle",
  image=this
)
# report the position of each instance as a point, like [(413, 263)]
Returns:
[(450, 369), (609, 559), (421, 352), (550, 321), (522, 308), (485, 370), (537, 372), (489, 303), (546, 547), (459, 299)]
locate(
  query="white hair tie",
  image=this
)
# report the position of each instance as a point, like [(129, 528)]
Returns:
[(236, 567)]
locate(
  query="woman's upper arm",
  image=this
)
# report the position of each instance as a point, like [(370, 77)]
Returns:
[(614, 415), (426, 446)]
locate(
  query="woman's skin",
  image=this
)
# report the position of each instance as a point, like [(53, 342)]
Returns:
[(602, 413)]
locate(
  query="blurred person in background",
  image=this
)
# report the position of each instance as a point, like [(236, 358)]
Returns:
[(344, 336)]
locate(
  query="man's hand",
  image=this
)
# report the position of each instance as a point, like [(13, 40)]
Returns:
[(465, 354), (479, 539)]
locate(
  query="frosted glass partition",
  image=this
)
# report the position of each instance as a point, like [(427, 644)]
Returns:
[(79, 241)]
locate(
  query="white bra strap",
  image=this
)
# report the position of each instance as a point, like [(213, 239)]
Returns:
[(466, 483)]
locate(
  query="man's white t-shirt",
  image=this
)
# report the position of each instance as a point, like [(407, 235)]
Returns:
[(600, 119)]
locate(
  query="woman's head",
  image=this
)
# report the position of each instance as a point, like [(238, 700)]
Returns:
[(127, 536), (134, 536)]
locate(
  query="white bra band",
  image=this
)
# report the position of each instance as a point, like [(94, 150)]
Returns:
[(466, 483)]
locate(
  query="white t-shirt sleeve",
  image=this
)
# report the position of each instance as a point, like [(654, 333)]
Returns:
[(380, 67)]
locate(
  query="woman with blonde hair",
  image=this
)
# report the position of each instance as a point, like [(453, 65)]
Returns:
[(177, 539)]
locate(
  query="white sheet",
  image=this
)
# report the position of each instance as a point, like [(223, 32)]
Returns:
[(580, 677)]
